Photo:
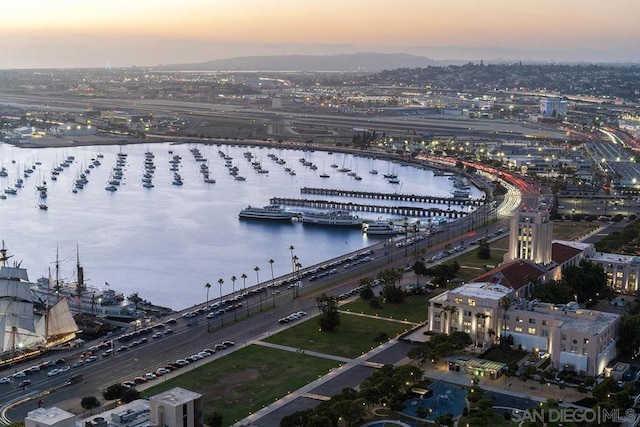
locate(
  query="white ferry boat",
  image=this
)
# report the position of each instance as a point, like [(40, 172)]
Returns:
[(271, 212), (339, 218), (380, 228)]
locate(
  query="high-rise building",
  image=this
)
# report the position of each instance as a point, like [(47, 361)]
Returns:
[(530, 237)]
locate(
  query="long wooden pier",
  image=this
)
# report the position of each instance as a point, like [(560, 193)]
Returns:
[(413, 211), (392, 196)]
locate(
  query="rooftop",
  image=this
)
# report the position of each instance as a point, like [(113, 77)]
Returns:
[(49, 416), (176, 396), (484, 290)]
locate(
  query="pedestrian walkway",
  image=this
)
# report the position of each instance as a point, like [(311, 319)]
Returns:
[(299, 350), (404, 322)]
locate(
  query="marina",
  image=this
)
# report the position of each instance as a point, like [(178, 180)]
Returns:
[(154, 240)]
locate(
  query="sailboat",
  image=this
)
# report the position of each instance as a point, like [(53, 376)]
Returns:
[(21, 328)]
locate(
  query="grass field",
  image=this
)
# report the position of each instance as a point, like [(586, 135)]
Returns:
[(413, 309), (502, 355), (250, 379), (568, 230), (355, 335)]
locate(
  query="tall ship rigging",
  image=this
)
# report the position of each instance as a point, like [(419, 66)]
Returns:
[(22, 329)]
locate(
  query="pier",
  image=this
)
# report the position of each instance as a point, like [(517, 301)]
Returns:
[(392, 196), (359, 207)]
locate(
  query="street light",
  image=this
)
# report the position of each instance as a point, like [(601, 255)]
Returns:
[(221, 282), (233, 291), (272, 281), (244, 289), (208, 286), (257, 269)]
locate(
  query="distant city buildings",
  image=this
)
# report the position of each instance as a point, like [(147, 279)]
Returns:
[(553, 107)]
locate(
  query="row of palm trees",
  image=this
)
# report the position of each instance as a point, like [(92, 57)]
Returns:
[(243, 276)]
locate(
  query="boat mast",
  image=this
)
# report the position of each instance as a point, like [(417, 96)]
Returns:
[(57, 286)]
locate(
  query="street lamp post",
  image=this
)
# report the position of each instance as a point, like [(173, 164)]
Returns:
[(257, 269), (233, 291), (244, 289), (221, 282), (208, 286), (273, 280)]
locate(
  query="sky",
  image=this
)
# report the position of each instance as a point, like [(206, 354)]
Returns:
[(123, 33)]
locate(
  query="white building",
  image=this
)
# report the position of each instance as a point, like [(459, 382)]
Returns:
[(530, 237), (623, 271), (50, 417), (177, 407), (553, 107)]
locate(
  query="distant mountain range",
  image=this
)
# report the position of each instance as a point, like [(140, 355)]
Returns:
[(353, 62)]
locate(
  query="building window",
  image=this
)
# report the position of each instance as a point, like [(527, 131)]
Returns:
[(485, 304), (472, 302), (467, 323), (574, 349), (532, 321), (564, 337), (585, 340), (467, 313), (458, 300), (545, 323), (532, 331), (545, 333), (518, 319), (518, 328), (436, 325)]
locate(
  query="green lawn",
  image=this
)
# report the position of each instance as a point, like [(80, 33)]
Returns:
[(413, 309), (498, 354), (355, 335), (471, 266), (569, 230), (250, 379)]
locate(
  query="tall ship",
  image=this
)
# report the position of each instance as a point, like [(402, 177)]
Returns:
[(24, 330), (337, 218), (269, 212), (380, 228), (84, 299)]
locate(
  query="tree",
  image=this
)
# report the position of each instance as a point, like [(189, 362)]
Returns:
[(114, 391), (271, 265), (214, 419), (207, 286), (129, 395), (89, 402), (484, 251), (628, 338), (367, 293), (329, 319), (505, 303)]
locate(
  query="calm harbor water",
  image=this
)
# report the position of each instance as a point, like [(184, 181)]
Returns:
[(166, 242)]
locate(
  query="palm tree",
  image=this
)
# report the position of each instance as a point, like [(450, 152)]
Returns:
[(244, 289), (293, 265), (491, 333), (208, 286), (505, 303), (233, 291), (452, 309), (296, 287), (257, 269), (221, 282)]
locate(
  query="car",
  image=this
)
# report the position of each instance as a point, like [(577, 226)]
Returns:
[(172, 321), (78, 364), (103, 345), (168, 331), (197, 356), (204, 354), (19, 374), (47, 364), (91, 359), (188, 315), (150, 376), (5, 380), (209, 350), (129, 384), (64, 368), (157, 335), (34, 369), (122, 348), (53, 372), (139, 380), (211, 315), (159, 326), (219, 347), (24, 383), (60, 361), (182, 362), (228, 344), (162, 371), (107, 353)]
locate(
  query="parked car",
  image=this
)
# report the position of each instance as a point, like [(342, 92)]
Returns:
[(139, 380), (24, 383)]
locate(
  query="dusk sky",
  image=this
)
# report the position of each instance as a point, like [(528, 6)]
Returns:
[(91, 33)]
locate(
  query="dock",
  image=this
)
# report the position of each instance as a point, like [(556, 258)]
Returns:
[(392, 196)]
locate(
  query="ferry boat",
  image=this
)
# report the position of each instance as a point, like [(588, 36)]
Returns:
[(380, 228), (461, 194), (270, 212), (339, 218)]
